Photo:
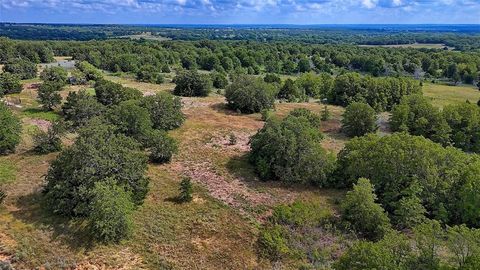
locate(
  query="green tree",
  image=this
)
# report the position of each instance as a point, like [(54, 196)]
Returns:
[(10, 129), (80, 107), (192, 84), (289, 150), (54, 74), (110, 93), (50, 141), (99, 154), (219, 80), (131, 120), (250, 95), (162, 147), (9, 84), (359, 119), (24, 69), (48, 95), (360, 209), (428, 237), (110, 213), (165, 110), (290, 92), (310, 83)]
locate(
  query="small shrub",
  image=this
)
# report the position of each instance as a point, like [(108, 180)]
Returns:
[(325, 116), (186, 190), (110, 93), (272, 242), (359, 119), (272, 78), (110, 212), (219, 80), (266, 114), (165, 110), (162, 147), (50, 141), (232, 139), (3, 195)]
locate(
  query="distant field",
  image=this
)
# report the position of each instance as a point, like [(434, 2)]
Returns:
[(445, 94), (414, 45), (147, 35)]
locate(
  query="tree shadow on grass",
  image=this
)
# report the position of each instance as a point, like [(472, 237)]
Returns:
[(223, 108), (32, 209)]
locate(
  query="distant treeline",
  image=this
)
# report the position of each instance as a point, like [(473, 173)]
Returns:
[(248, 57), (467, 40)]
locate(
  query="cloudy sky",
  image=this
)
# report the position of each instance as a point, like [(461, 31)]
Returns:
[(241, 11)]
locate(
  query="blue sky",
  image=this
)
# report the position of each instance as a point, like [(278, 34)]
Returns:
[(241, 11)]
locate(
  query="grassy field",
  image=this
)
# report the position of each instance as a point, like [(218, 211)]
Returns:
[(146, 35), (218, 230), (442, 94)]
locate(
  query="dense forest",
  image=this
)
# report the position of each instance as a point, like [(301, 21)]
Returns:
[(259, 149)]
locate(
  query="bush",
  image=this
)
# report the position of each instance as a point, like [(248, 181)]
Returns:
[(266, 114), (9, 84), (162, 147), (290, 151), (272, 242), (91, 72), (313, 118), (165, 110), (48, 95), (80, 107), (464, 122), (250, 95), (10, 130), (219, 80), (149, 74), (3, 195), (360, 209), (291, 92), (359, 119), (110, 93), (310, 83), (54, 74), (272, 78), (24, 69), (50, 141), (192, 84), (99, 154), (186, 190), (110, 213)]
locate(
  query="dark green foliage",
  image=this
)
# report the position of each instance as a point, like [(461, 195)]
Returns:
[(250, 95), (54, 74), (192, 84), (24, 69), (149, 74), (266, 114), (131, 120), (409, 211), (464, 122), (48, 95), (10, 130), (98, 155), (428, 239), (396, 164), (110, 213), (50, 141), (393, 252), (110, 93), (272, 78), (310, 83), (290, 151), (186, 190), (80, 107), (312, 117), (91, 73), (416, 115), (380, 93), (291, 92), (9, 84), (219, 80), (272, 242), (359, 119), (161, 146), (165, 110), (360, 209)]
